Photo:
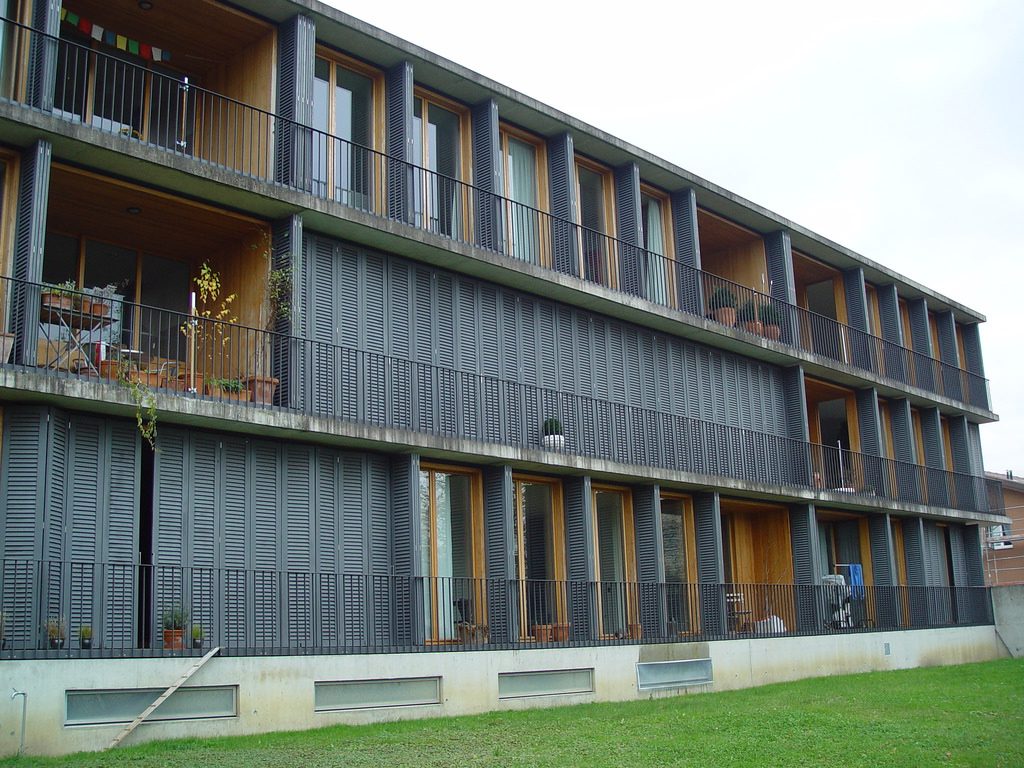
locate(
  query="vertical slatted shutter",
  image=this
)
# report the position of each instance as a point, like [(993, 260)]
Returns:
[(286, 358), (359, 504), (120, 530), (870, 426), (398, 102), (689, 291), (857, 316), (883, 568), (632, 264), (973, 362), (579, 541), (562, 178), (498, 546), (936, 574), (42, 70), (934, 457), (967, 490), (908, 482), (203, 528), (298, 544), (296, 51), (172, 493), (796, 466), (806, 565), (948, 353), (487, 176), (649, 558), (913, 545), (778, 252), (958, 566), (232, 626), (267, 539), (379, 535), (972, 556), (29, 241), (921, 340), (895, 361), (323, 326), (332, 604), (710, 567), (405, 538), (23, 484), (82, 513)]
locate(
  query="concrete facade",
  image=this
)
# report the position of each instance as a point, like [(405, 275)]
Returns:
[(1008, 607), (278, 693)]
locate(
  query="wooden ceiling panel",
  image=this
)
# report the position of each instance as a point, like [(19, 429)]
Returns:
[(717, 234)]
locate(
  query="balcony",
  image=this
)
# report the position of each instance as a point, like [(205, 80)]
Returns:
[(187, 120), (70, 609), (172, 352)]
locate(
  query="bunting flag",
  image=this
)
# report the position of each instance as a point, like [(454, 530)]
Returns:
[(107, 37)]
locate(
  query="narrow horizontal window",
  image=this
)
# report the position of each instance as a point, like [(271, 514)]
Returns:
[(124, 705), (653, 675), (514, 685), (370, 694)]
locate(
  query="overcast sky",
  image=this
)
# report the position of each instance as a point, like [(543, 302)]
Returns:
[(894, 128)]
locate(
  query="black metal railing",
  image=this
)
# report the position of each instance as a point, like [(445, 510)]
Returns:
[(64, 332), (114, 95), (82, 609)]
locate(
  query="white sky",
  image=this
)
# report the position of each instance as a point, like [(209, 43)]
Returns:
[(895, 128)]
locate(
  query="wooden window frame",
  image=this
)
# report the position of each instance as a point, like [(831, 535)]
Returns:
[(690, 546), (506, 132), (669, 257), (608, 195), (558, 548), (478, 565), (428, 97), (629, 555)]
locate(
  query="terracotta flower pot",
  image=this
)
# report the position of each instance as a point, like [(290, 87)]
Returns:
[(174, 639), (754, 326), (725, 316), (773, 332), (262, 388)]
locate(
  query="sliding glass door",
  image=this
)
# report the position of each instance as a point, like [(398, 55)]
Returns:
[(539, 550)]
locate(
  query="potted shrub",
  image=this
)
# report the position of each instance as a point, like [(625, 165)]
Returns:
[(748, 316), (60, 296), (56, 631), (723, 306), (174, 619), (207, 331), (771, 316), (262, 386), (197, 636), (552, 438), (227, 389), (85, 636)]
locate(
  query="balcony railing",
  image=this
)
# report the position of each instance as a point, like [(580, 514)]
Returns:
[(76, 334), (83, 609), (137, 104)]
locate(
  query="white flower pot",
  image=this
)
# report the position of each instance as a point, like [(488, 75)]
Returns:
[(553, 442)]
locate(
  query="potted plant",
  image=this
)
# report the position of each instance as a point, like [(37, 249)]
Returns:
[(771, 315), (174, 619), (748, 316), (206, 331), (723, 306), (60, 296), (262, 386), (552, 438), (197, 636), (56, 631), (227, 389), (85, 636)]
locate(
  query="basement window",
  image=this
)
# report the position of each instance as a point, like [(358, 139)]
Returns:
[(101, 707)]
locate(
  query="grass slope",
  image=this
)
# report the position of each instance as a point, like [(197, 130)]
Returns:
[(971, 715)]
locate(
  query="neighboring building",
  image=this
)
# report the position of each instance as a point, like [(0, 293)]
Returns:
[(490, 380), (1004, 544)]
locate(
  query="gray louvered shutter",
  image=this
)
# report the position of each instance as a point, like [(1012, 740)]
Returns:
[(908, 480), (267, 539), (934, 457), (965, 488), (296, 51), (914, 553), (883, 568), (896, 364), (498, 547), (778, 253), (807, 570), (357, 511), (55, 514), (379, 535), (870, 427), (203, 529), (406, 582), (323, 326), (487, 176), (795, 466), (650, 564), (298, 545), (861, 348), (42, 70), (975, 366), (562, 178), (579, 540), (710, 567), (172, 491), (948, 353), (232, 626), (23, 484), (962, 597), (349, 280), (332, 602), (921, 342), (286, 358), (972, 556), (632, 262), (689, 289), (29, 243), (398, 104), (120, 532)]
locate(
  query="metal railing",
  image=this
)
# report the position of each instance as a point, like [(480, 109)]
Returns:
[(83, 609), (63, 332), (112, 94)]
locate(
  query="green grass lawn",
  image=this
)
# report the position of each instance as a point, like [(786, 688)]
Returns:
[(970, 715)]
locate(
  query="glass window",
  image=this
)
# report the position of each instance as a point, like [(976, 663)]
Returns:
[(523, 199), (593, 221), (613, 521), (437, 137), (679, 554), (343, 113), (653, 227), (453, 596), (539, 559)]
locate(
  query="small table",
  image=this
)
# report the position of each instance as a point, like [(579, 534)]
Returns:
[(77, 324)]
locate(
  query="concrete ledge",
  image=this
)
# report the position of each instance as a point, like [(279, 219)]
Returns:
[(277, 692)]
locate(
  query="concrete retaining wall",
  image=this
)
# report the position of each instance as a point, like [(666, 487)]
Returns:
[(277, 693), (1008, 608)]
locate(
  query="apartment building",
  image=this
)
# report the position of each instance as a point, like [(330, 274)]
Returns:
[(409, 395)]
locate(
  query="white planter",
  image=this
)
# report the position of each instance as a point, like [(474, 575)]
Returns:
[(553, 442)]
